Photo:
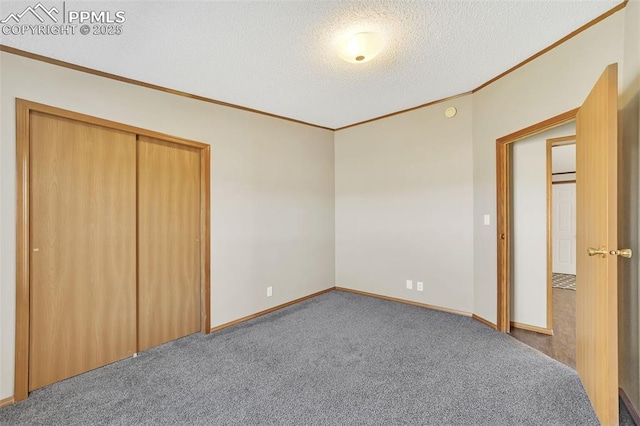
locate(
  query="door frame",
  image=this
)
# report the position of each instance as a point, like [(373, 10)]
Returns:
[(503, 196), (23, 111), (551, 143)]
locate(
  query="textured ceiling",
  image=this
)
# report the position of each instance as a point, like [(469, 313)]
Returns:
[(280, 57)]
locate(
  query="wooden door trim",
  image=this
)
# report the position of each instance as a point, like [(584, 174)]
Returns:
[(205, 240), (23, 111), (564, 140), (549, 237), (546, 331), (21, 379), (503, 192)]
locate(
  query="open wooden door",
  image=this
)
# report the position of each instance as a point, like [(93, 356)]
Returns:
[(597, 246)]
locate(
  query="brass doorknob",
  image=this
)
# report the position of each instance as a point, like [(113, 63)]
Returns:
[(602, 252), (622, 252)]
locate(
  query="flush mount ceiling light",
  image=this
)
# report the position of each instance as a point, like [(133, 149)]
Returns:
[(360, 47)]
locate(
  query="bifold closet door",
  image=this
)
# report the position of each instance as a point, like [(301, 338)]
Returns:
[(83, 247), (168, 241)]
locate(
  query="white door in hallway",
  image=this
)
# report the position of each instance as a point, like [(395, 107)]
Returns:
[(564, 228)]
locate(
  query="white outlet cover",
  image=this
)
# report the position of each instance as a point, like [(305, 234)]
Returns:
[(487, 219), (269, 291), (409, 285), (420, 286)]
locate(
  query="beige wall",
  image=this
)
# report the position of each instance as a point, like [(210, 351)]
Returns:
[(629, 335), (555, 82), (403, 206), (272, 189), (529, 231), (385, 203)]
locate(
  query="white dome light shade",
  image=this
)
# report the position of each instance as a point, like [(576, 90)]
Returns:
[(360, 47)]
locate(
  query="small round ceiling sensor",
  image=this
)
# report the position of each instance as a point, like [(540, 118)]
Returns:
[(450, 112)]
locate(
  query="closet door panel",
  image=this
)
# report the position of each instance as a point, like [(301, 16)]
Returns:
[(83, 247), (168, 241)]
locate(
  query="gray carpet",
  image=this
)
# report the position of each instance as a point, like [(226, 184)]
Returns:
[(336, 359)]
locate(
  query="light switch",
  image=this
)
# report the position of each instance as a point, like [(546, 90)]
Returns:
[(487, 219)]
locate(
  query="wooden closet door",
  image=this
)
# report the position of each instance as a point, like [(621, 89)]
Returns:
[(168, 241), (83, 247)]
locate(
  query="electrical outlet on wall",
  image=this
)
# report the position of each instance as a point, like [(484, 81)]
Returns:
[(409, 285), (420, 286), (269, 291)]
